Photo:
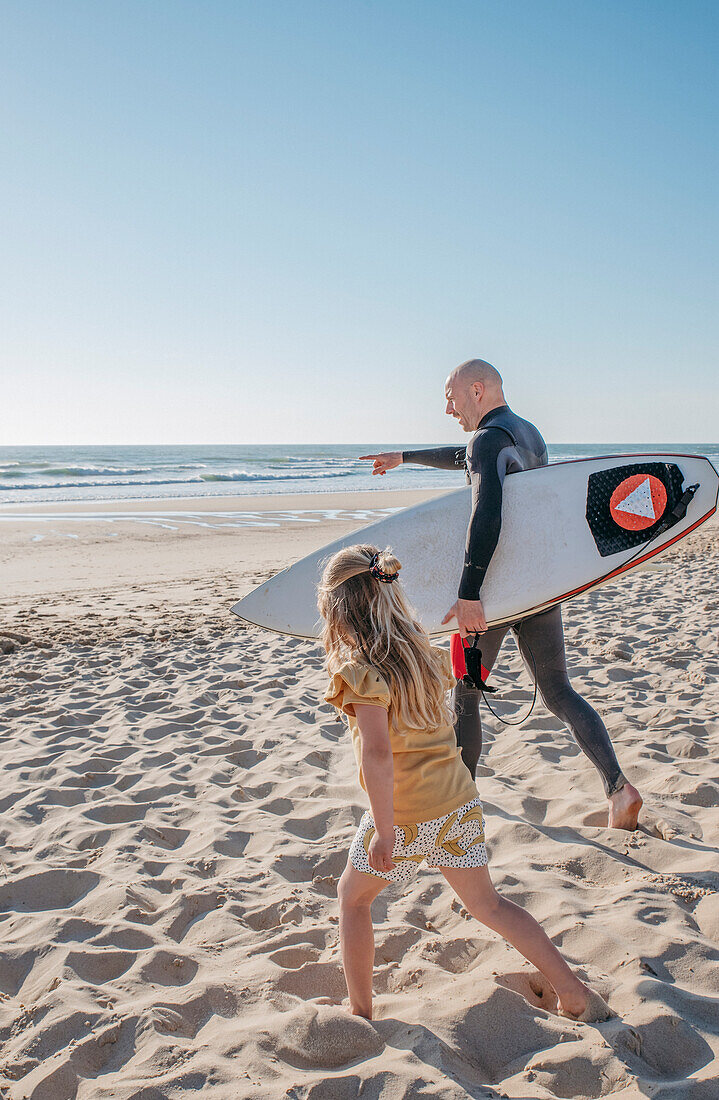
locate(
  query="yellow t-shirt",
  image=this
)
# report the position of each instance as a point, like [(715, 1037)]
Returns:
[(430, 778)]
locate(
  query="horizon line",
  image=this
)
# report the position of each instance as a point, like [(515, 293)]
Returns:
[(365, 443)]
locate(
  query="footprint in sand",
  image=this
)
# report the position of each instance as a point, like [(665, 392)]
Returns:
[(91, 779), (165, 836), (325, 884), (158, 794), (455, 956), (669, 1044), (501, 1012), (127, 781), (103, 1049), (101, 965), (9, 801), (143, 910), (687, 748), (93, 841), (46, 890), (247, 758), (61, 797), (113, 813), (597, 819), (77, 930), (154, 868), (279, 806), (310, 828), (269, 916), (166, 968), (126, 939), (294, 868), (533, 986), (292, 958), (162, 885), (705, 795), (313, 979), (334, 732), (568, 1068), (14, 969), (193, 907), (309, 938), (260, 792), (168, 1020), (222, 747), (396, 945), (233, 844), (318, 758)]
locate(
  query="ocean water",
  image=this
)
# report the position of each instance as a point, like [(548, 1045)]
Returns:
[(38, 475)]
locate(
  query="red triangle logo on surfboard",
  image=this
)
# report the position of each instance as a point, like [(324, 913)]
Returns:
[(638, 502)]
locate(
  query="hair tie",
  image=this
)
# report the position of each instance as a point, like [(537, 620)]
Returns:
[(379, 573)]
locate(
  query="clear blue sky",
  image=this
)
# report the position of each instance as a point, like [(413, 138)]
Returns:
[(287, 221)]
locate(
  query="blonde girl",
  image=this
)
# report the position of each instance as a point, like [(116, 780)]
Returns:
[(392, 684)]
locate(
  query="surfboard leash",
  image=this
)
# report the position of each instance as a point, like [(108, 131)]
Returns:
[(473, 659)]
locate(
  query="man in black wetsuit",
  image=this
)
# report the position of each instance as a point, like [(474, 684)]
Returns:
[(502, 443)]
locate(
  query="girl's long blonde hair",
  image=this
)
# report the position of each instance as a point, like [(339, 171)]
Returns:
[(367, 617)]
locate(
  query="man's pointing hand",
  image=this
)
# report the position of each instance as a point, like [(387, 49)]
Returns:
[(385, 461), (469, 615)]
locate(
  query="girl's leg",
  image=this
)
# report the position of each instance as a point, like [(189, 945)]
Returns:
[(356, 892), (474, 888)]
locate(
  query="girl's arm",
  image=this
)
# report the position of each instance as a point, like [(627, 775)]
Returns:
[(378, 775)]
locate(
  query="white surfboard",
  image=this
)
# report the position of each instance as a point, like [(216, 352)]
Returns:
[(566, 528)]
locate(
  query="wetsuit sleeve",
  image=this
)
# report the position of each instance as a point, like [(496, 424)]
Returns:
[(442, 458), (486, 471)]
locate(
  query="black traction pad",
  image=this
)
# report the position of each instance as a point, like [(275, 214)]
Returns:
[(608, 535)]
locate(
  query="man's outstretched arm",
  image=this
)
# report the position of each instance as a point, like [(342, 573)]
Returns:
[(442, 458)]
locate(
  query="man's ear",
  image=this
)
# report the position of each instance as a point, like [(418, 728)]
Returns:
[(478, 388)]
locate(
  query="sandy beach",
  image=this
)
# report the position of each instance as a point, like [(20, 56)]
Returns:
[(177, 803)]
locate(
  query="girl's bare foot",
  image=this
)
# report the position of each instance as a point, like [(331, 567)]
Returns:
[(624, 807), (586, 1006), (574, 1003)]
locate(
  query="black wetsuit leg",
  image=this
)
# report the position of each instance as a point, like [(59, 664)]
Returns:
[(541, 643), (468, 723)]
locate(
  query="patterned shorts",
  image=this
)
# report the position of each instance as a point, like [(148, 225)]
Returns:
[(454, 840)]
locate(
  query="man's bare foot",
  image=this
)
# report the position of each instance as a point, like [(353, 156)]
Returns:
[(624, 807)]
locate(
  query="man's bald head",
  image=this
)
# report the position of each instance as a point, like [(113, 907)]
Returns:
[(472, 390), (476, 370)]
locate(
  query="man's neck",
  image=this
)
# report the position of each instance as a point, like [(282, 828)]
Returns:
[(500, 404)]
